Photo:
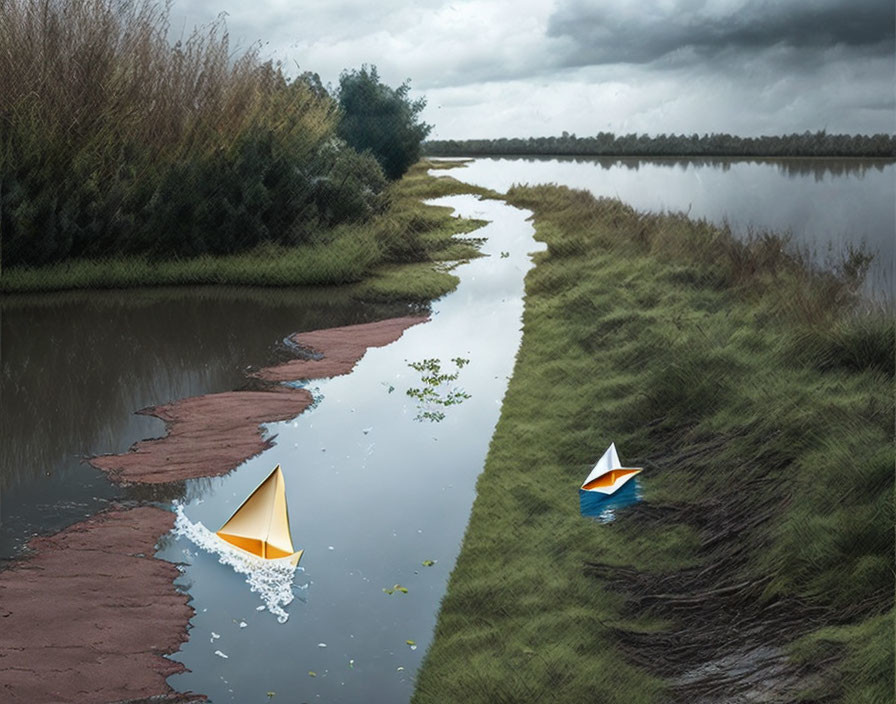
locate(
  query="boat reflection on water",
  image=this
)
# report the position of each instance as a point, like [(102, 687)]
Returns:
[(603, 508)]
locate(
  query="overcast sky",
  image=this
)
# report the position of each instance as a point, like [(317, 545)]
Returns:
[(518, 68)]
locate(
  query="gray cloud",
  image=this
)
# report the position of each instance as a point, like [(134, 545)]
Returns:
[(608, 32), (494, 68)]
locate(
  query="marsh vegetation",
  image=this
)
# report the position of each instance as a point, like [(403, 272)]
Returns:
[(126, 159), (756, 390)]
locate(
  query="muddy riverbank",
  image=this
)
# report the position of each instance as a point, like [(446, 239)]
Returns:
[(211, 434), (89, 614)]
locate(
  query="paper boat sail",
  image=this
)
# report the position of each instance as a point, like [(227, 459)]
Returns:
[(608, 474), (260, 526)]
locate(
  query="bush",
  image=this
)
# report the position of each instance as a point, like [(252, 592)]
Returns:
[(381, 120)]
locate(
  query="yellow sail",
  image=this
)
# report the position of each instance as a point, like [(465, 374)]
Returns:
[(260, 526)]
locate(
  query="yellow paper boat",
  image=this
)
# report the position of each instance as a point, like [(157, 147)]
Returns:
[(608, 475), (260, 526)]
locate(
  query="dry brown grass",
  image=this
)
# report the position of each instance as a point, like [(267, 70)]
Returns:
[(103, 72)]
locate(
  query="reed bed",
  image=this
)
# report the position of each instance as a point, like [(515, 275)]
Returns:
[(114, 141)]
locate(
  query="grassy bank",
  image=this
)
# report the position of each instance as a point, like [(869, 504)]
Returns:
[(400, 253), (758, 395)]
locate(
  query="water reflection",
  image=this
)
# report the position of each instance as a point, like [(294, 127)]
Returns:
[(76, 366), (827, 205), (817, 167), (437, 389), (603, 508)]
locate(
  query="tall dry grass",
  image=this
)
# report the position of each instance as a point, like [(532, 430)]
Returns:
[(102, 72)]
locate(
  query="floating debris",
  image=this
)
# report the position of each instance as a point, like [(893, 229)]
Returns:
[(221, 655), (429, 563)]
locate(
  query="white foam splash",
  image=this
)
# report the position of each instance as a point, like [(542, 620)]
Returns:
[(272, 580)]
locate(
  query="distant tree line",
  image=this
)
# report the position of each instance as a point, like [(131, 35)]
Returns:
[(608, 144), (113, 141)]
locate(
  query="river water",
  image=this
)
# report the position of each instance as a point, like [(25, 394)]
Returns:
[(379, 492), (825, 204)]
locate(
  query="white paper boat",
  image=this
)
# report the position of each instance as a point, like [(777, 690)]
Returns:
[(608, 474), (260, 526)]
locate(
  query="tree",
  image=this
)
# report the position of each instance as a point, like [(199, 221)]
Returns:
[(381, 119)]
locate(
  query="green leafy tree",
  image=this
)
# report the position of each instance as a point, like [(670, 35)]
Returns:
[(381, 119)]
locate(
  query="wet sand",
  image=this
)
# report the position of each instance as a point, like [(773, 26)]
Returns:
[(88, 615)]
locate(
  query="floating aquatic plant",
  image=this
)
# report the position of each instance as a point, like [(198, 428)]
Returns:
[(436, 391)]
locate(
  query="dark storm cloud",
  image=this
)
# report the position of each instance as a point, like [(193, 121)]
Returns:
[(492, 68), (605, 32)]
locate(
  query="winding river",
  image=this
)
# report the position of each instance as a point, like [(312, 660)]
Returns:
[(379, 495)]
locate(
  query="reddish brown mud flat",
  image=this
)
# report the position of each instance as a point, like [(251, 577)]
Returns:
[(340, 348), (88, 616), (207, 435)]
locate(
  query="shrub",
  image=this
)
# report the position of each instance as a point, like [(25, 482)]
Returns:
[(380, 119)]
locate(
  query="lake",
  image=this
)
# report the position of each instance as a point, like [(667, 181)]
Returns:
[(824, 203)]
